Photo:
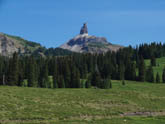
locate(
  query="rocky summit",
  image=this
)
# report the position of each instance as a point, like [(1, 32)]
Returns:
[(87, 43)]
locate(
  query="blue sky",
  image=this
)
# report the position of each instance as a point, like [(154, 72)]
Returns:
[(53, 22)]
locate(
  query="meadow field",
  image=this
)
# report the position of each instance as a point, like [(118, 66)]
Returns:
[(133, 103)]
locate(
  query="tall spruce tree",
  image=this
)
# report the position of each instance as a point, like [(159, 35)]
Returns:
[(87, 84), (106, 84), (153, 61), (55, 75), (121, 71), (43, 78), (32, 81), (67, 75), (157, 78), (61, 82), (13, 70), (150, 74), (141, 69), (55, 83), (163, 75), (75, 78), (96, 78)]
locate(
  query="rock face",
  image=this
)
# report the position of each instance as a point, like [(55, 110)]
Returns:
[(84, 29), (10, 44), (86, 43)]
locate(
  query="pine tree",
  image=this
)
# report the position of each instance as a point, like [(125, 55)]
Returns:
[(43, 78), (150, 74), (75, 78), (62, 82), (123, 82), (157, 78), (67, 75), (121, 71), (13, 73), (110, 86), (55, 83), (87, 84), (55, 80), (31, 74), (153, 61), (106, 84), (141, 70), (96, 78), (133, 71), (163, 75), (55, 75)]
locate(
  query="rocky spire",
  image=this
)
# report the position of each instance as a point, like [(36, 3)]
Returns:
[(84, 29)]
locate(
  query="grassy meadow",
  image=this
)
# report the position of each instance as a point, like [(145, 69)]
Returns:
[(134, 103), (112, 106)]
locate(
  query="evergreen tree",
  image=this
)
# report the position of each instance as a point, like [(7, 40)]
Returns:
[(55, 75), (150, 74), (32, 73), (43, 78), (96, 78), (157, 78), (87, 84), (123, 82), (153, 61), (61, 82), (163, 75), (67, 75), (106, 84), (13, 70), (141, 70), (110, 86), (75, 78), (55, 83), (121, 71)]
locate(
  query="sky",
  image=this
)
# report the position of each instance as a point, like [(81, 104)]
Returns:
[(53, 22)]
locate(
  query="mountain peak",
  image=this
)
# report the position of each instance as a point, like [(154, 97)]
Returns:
[(88, 43), (84, 29)]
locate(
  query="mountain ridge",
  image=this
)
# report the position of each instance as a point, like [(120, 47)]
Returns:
[(83, 43), (10, 44)]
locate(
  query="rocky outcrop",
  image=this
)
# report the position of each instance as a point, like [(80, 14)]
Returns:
[(10, 44), (84, 29), (86, 43)]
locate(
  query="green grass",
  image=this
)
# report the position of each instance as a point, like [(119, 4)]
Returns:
[(36, 105), (160, 64)]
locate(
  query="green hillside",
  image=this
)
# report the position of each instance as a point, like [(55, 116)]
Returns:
[(28, 45), (25, 47), (114, 106)]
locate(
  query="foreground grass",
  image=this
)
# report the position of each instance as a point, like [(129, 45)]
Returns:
[(112, 106)]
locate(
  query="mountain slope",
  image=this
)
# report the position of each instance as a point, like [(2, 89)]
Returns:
[(10, 44), (86, 43)]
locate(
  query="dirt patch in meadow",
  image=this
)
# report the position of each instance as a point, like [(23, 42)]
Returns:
[(145, 114)]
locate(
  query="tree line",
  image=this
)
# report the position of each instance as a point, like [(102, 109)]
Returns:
[(82, 70)]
